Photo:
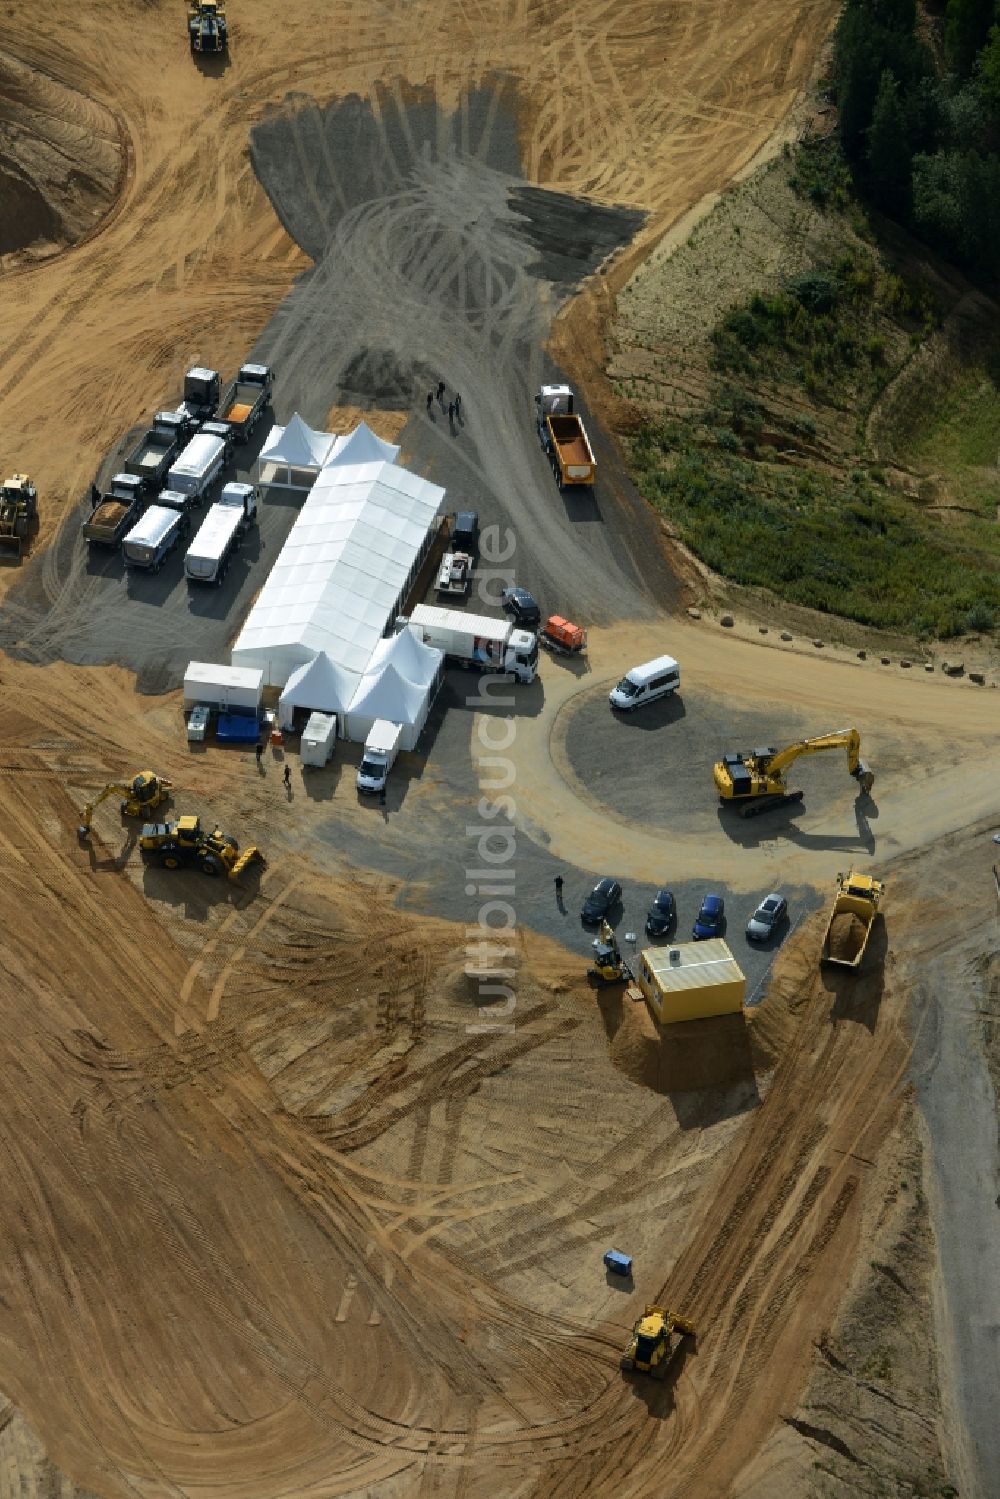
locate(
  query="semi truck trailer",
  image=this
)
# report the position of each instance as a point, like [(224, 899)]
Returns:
[(220, 533), (244, 402), (564, 437), (150, 542), (115, 513), (196, 469), (152, 456), (479, 642)]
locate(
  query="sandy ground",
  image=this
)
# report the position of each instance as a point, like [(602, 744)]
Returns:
[(282, 1161), (280, 1216)]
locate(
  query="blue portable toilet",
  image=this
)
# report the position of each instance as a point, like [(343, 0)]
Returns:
[(618, 1263)]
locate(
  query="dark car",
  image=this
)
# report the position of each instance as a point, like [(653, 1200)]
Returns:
[(710, 920), (765, 919), (661, 915), (519, 602), (465, 532), (603, 898)]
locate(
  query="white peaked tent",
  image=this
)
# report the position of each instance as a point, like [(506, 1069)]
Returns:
[(292, 456), (361, 446), (319, 686), (412, 658), (384, 693)]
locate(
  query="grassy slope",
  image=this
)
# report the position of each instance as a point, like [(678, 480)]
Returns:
[(812, 423)]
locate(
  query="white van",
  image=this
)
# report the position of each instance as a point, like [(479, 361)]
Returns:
[(643, 684)]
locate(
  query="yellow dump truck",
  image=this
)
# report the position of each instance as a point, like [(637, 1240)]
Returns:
[(854, 911)]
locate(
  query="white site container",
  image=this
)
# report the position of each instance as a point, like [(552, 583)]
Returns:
[(319, 739), (227, 688)]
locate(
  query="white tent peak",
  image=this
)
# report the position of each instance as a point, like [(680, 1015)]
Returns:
[(319, 684), (297, 445), (386, 693), (407, 653), (361, 446)]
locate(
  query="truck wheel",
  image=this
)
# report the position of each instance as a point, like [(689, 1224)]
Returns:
[(169, 861), (211, 866)]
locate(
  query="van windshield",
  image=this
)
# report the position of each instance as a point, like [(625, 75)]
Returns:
[(627, 688), (371, 768)]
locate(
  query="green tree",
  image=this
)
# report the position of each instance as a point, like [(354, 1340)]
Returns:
[(966, 26), (889, 162), (988, 77)]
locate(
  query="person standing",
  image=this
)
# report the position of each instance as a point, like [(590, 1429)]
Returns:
[(458, 403), (559, 885), (287, 778), (430, 399), (259, 752), (441, 391), (451, 412)]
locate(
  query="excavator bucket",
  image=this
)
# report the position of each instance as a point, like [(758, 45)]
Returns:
[(865, 777), (249, 856)]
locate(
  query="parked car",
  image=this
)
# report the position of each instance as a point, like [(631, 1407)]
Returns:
[(661, 915), (772, 909), (605, 895), (465, 532), (711, 919), (519, 602)]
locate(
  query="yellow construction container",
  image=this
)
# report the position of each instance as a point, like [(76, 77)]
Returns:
[(691, 981)]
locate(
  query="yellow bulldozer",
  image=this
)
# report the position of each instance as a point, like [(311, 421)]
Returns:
[(140, 796), (18, 513), (174, 845), (755, 781), (656, 1339)]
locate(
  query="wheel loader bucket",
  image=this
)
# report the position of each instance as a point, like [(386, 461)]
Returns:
[(10, 546), (249, 856), (683, 1324)]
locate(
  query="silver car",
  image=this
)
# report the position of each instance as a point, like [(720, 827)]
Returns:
[(765, 919)]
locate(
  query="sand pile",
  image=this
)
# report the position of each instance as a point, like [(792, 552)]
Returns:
[(847, 933), (689, 1057), (61, 162)]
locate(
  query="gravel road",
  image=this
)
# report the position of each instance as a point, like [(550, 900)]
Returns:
[(433, 260)]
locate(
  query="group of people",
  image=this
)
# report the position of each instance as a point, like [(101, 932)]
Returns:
[(454, 407)]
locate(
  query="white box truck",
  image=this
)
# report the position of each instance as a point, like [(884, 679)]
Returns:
[(479, 642), (319, 738), (220, 533), (198, 466), (381, 749), (154, 536)]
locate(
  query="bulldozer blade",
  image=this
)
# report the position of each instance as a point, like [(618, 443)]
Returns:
[(251, 855)]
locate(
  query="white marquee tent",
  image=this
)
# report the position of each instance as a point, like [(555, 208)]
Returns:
[(319, 686), (361, 446), (344, 571), (399, 686), (292, 456)]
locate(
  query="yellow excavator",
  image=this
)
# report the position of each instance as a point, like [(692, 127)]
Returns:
[(656, 1340), (756, 780), (141, 795), (173, 845)]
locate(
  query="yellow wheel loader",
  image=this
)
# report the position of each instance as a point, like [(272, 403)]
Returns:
[(140, 796), (656, 1340), (174, 845), (18, 513), (755, 780)]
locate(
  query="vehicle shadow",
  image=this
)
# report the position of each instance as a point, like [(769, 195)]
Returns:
[(578, 665), (769, 827), (656, 715), (212, 64), (857, 993), (494, 695), (197, 893), (657, 1395)]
